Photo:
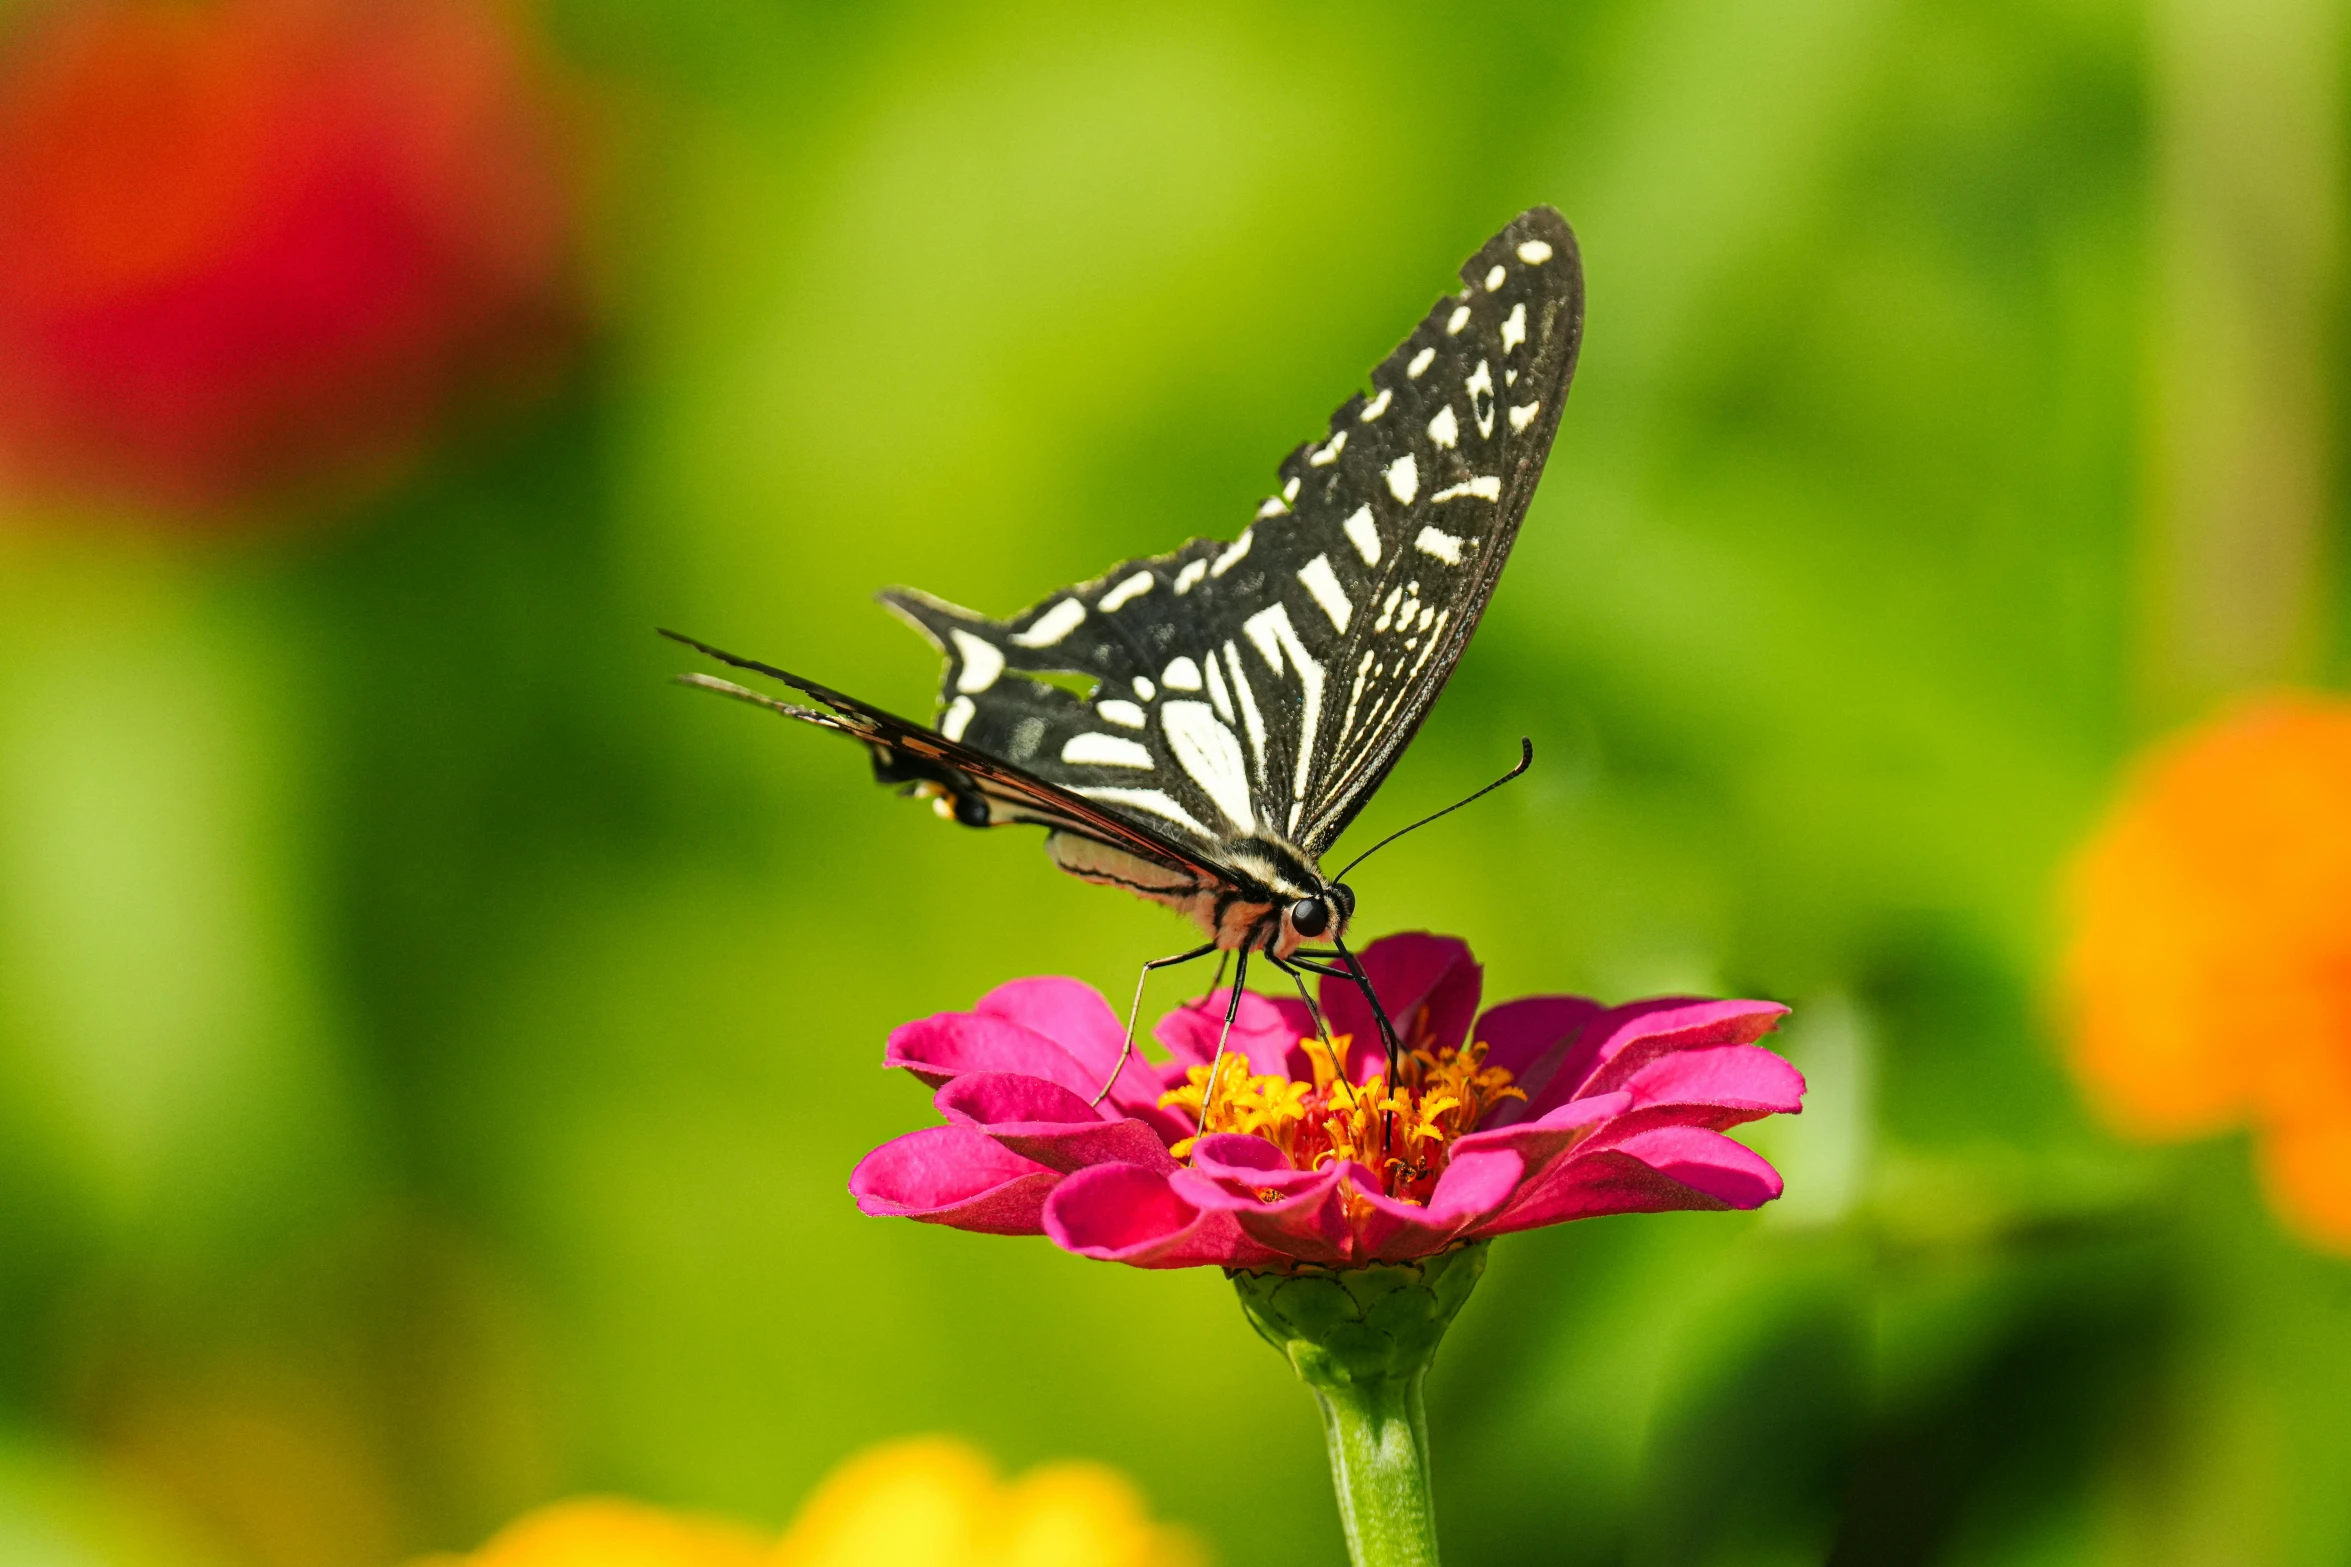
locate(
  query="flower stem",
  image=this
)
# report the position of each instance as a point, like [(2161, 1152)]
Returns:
[(1362, 1340)]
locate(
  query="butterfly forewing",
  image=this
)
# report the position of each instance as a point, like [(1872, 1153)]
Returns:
[(1263, 687), (1412, 525)]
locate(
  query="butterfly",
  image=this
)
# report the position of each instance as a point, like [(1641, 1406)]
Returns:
[(1247, 697)]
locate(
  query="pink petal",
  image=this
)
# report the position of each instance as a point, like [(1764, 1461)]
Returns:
[(1047, 1123), (1529, 1038), (1125, 1213), (954, 1176), (1475, 1186), (1651, 1172), (1624, 1039), (1074, 1016), (1540, 1141), (1250, 1161), (946, 1045), (1069, 1012), (1414, 973), (1266, 1030), (1736, 1082), (1305, 1220)]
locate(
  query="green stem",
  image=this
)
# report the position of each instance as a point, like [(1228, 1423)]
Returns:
[(1362, 1340), (1379, 1443)]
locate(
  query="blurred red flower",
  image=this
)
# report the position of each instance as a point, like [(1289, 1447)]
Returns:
[(2209, 971), (257, 242)]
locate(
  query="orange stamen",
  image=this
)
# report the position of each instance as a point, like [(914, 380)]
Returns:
[(1405, 1133)]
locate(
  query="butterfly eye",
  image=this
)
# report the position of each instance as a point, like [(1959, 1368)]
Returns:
[(972, 811), (1310, 916)]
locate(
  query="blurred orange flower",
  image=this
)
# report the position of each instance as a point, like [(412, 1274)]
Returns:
[(925, 1502), (248, 242), (2209, 974)]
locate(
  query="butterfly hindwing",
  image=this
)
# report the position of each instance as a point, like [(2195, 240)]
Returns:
[(905, 752), (1266, 685)]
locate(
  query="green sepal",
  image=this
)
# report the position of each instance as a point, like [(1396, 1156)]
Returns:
[(1362, 1339)]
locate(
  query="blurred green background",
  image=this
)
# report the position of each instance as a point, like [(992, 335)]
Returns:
[(432, 1048)]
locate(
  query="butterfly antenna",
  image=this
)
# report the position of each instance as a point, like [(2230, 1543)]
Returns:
[(1526, 759)]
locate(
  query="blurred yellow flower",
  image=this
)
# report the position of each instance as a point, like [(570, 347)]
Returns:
[(2209, 971), (933, 1500), (924, 1502), (607, 1532)]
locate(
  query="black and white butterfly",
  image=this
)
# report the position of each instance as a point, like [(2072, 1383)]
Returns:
[(1249, 696)]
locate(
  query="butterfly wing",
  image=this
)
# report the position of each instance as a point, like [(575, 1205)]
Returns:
[(905, 752), (1263, 687), (1400, 540)]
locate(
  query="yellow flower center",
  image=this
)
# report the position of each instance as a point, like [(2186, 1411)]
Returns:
[(1405, 1133)]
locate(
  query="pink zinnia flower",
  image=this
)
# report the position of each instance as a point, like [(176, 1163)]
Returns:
[(1549, 1108)]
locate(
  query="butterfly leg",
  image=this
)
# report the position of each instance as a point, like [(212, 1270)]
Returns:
[(1387, 1029), (1295, 969), (1232, 1009), (1378, 1012), (1127, 1048), (1223, 961), (1298, 979)]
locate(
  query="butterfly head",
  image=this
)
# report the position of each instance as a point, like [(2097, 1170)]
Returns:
[(1321, 914)]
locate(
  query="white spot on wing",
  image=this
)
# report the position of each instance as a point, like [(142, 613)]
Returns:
[(1157, 801), (1290, 490), (1216, 691), (1095, 750), (1050, 627), (1514, 327), (1534, 252), (1144, 688), (982, 661), (1485, 489), (1435, 635), (1362, 673), (1327, 453), (1481, 397), (1211, 754), (1444, 546), (1126, 592), (1456, 321), (1323, 583), (1189, 578), (1271, 631), (1377, 406), (1420, 362), (1271, 506), (1404, 478), (1230, 558), (1364, 534), (1181, 675), (1495, 277), (1121, 711), (1445, 429), (1524, 415), (1250, 717), (958, 719)]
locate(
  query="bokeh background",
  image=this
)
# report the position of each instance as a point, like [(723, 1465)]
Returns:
[(432, 1048)]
